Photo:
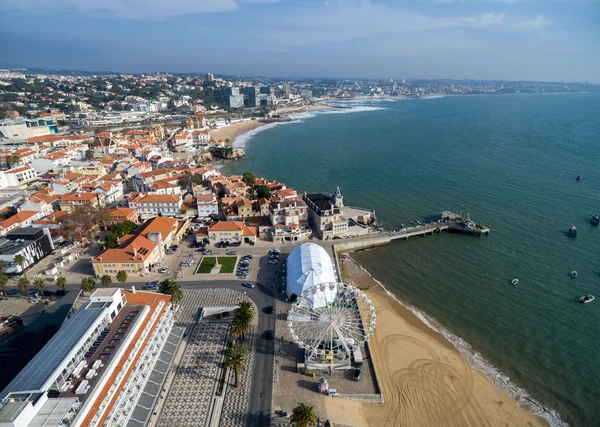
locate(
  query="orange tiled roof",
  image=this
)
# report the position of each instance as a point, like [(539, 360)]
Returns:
[(137, 250), (157, 198), (160, 224)]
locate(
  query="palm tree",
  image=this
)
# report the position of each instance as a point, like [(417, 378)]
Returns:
[(106, 280), (171, 287), (235, 358), (39, 284), (303, 416), (88, 284), (3, 283), (23, 284), (20, 261), (61, 282), (1, 265), (238, 328), (122, 277)]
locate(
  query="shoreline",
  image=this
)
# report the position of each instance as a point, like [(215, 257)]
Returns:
[(427, 328)]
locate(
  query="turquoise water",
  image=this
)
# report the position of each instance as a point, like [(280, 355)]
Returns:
[(511, 162)]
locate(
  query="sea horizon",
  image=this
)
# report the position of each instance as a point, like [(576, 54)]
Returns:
[(503, 375)]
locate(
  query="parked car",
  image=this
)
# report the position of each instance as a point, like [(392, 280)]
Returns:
[(208, 252), (236, 243), (269, 335), (151, 287), (13, 293), (273, 261), (48, 293), (269, 309), (248, 256), (357, 374), (241, 273), (275, 251), (163, 270), (231, 253), (248, 284), (152, 283)]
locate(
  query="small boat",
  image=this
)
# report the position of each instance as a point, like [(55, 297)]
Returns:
[(572, 232), (402, 226), (410, 222), (418, 222), (595, 220), (579, 178), (514, 281), (587, 298), (573, 274)]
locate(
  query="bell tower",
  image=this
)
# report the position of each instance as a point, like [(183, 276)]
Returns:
[(338, 198)]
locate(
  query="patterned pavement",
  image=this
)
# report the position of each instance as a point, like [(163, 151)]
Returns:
[(190, 398)]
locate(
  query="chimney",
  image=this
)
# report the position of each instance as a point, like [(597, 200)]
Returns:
[(132, 289)]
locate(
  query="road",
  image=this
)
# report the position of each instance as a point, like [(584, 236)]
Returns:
[(260, 405)]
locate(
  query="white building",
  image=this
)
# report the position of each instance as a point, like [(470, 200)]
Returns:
[(23, 128), (308, 265), (154, 205), (17, 176), (207, 205), (111, 352)]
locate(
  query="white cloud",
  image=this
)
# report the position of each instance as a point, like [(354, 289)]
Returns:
[(532, 24), (340, 21), (126, 9)]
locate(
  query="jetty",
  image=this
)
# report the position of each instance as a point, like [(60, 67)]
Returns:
[(447, 221)]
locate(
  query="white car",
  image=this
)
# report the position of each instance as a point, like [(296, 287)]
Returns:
[(273, 261)]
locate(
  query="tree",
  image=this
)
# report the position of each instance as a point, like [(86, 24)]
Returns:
[(20, 261), (263, 191), (122, 277), (249, 179), (39, 283), (61, 282), (235, 358), (106, 281), (23, 284), (1, 265), (3, 283), (303, 416), (243, 318), (89, 154), (171, 287), (88, 284)]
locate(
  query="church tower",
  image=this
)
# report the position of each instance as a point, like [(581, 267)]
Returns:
[(338, 198)]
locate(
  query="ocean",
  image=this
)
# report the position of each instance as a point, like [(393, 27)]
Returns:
[(510, 161)]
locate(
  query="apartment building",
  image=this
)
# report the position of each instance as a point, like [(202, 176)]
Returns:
[(152, 205)]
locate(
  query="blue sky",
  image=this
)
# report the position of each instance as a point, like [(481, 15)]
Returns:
[(486, 39)]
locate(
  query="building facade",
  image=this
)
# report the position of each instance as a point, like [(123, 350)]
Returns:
[(96, 368), (154, 205), (325, 214)]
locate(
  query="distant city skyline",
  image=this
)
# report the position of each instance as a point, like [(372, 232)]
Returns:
[(552, 40)]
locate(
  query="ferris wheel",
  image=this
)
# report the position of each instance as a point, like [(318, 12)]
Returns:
[(331, 319)]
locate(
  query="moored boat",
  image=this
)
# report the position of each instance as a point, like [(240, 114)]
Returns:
[(579, 178), (595, 220), (572, 232), (573, 274), (514, 281), (587, 298)]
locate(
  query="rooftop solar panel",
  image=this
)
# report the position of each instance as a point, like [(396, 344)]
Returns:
[(43, 366)]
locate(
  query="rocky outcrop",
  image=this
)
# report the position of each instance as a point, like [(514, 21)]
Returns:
[(218, 153)]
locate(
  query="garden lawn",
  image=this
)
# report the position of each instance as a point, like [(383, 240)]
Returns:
[(227, 264), (207, 264)]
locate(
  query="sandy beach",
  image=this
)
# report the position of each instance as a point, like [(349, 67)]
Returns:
[(231, 131), (425, 380)]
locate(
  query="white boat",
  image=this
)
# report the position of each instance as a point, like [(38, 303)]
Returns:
[(587, 298), (573, 274), (515, 281)]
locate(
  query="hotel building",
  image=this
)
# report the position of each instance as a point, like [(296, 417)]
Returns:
[(104, 367)]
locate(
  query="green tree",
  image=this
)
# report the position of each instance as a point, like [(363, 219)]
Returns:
[(243, 319), (249, 179), (88, 284), (171, 287), (23, 284), (61, 282), (122, 277), (89, 154), (39, 283), (3, 283), (1, 265), (235, 358), (106, 281), (263, 191), (303, 416), (20, 261)]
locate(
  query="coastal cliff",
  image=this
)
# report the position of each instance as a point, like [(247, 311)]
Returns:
[(221, 153)]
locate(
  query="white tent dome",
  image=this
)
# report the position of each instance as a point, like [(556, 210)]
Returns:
[(308, 265)]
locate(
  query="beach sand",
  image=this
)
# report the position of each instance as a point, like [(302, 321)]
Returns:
[(231, 131), (425, 380)]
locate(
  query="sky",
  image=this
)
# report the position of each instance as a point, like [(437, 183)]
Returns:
[(548, 40)]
